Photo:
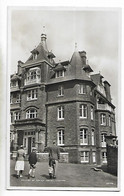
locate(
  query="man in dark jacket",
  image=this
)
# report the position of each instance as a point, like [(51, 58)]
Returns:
[(32, 161)]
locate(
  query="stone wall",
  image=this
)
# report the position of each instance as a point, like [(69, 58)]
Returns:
[(43, 157)]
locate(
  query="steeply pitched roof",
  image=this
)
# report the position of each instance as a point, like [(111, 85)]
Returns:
[(76, 67)]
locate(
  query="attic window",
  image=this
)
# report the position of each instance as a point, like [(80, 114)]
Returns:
[(34, 56), (59, 73)]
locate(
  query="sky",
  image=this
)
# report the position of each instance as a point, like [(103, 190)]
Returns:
[(97, 31)]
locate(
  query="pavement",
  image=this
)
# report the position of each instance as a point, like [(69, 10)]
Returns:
[(68, 175)]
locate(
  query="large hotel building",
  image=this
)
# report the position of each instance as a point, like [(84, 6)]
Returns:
[(61, 101)]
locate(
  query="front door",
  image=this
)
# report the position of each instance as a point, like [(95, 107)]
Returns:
[(29, 145)]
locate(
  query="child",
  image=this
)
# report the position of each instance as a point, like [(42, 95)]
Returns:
[(32, 161)]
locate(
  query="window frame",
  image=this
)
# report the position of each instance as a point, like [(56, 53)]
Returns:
[(84, 136), (82, 89), (17, 115), (103, 142), (60, 90), (92, 137), (104, 157), (83, 111), (84, 156), (92, 112), (103, 119), (61, 137), (60, 113), (31, 115), (32, 94), (60, 73)]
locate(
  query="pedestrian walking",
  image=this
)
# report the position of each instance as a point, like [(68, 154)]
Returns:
[(19, 166), (54, 156), (32, 161)]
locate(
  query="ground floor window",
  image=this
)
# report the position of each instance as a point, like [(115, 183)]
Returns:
[(84, 157), (94, 157), (104, 157), (61, 137)]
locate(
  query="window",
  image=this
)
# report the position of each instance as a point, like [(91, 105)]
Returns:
[(18, 98), (14, 83), (60, 73), (82, 89), (103, 119), (32, 95), (84, 157), (33, 76), (103, 142), (83, 137), (60, 91), (94, 157), (25, 142), (32, 113), (104, 157), (92, 137), (109, 121), (11, 114), (11, 98), (91, 112), (83, 111), (17, 115), (60, 112), (61, 137), (33, 142)]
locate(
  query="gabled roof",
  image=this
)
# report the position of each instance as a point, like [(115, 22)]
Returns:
[(15, 77), (59, 67)]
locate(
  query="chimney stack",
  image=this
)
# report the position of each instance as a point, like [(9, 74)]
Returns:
[(107, 90)]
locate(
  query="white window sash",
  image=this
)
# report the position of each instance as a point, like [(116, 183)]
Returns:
[(83, 111)]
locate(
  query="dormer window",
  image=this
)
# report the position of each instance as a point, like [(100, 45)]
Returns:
[(34, 56), (59, 73), (14, 83), (34, 53)]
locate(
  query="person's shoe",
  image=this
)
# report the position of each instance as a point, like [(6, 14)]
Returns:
[(50, 176), (21, 175)]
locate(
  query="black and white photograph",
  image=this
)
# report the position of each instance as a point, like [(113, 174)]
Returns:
[(63, 96)]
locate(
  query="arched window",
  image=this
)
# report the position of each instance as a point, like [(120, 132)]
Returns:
[(31, 113)]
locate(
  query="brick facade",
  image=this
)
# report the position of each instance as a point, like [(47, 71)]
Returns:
[(62, 102)]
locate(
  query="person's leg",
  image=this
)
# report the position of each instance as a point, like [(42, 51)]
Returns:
[(30, 171), (55, 169), (21, 173), (17, 173), (33, 172)]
